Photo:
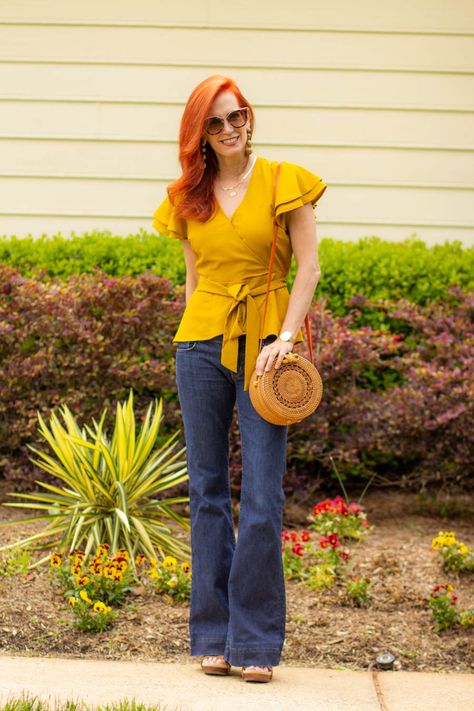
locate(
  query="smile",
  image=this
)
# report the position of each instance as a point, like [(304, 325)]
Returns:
[(230, 141)]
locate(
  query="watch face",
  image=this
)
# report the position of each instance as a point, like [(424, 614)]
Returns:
[(285, 335)]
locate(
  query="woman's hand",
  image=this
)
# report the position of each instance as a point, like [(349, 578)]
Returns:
[(272, 355)]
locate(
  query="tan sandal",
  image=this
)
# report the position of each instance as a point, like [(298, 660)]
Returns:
[(254, 673), (215, 665)]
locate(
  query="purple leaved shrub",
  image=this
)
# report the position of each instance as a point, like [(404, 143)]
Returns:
[(411, 422), (397, 402), (83, 343)]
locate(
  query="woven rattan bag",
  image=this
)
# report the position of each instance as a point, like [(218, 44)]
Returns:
[(294, 390)]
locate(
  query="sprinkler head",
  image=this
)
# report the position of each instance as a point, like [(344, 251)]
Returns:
[(385, 660)]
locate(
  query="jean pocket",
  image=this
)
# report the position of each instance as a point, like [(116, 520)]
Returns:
[(186, 346)]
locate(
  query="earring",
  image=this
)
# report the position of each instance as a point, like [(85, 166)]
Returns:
[(248, 145), (203, 152)]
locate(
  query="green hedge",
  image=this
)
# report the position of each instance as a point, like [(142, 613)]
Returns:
[(371, 267)]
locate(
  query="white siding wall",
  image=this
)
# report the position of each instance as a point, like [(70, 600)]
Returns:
[(375, 97)]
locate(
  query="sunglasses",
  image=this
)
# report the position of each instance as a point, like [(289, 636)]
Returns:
[(236, 118)]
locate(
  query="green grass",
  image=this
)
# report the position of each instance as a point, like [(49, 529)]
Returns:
[(26, 702)]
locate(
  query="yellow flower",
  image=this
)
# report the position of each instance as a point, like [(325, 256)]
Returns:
[(185, 567), (153, 574), (122, 553), (449, 587), (446, 539), (140, 559), (153, 561), (99, 606), (172, 583), (169, 562), (72, 601), (463, 549), (82, 580), (83, 594), (55, 560)]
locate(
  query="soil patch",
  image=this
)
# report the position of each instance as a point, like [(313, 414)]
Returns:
[(322, 628)]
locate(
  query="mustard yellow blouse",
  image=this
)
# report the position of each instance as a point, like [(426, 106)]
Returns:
[(232, 260)]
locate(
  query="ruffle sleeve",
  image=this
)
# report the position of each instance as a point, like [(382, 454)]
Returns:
[(296, 187), (166, 222)]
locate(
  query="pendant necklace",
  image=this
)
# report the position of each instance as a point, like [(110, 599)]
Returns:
[(231, 189)]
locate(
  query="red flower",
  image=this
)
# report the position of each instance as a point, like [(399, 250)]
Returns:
[(340, 505), (323, 541), (322, 506), (298, 550), (305, 536), (294, 536), (285, 536), (333, 540)]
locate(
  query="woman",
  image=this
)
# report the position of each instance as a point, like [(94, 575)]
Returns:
[(222, 209)]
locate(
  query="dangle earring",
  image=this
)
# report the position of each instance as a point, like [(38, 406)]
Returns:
[(203, 152), (248, 145)]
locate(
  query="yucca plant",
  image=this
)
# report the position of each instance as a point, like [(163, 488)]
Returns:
[(113, 490)]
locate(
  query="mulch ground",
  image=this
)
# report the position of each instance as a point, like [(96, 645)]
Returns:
[(323, 629)]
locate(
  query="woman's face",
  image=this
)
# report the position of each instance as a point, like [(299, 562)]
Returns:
[(230, 141)]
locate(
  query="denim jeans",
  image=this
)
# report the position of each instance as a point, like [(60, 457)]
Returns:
[(238, 605)]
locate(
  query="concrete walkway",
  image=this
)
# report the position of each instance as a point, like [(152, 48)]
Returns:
[(184, 687)]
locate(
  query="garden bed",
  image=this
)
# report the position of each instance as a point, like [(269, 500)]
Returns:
[(323, 629)]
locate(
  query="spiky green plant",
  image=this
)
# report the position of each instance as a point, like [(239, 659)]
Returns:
[(113, 489)]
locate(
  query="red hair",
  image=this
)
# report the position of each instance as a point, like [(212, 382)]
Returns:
[(193, 192)]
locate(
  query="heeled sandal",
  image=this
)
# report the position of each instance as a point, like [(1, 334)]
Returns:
[(257, 673), (215, 665)]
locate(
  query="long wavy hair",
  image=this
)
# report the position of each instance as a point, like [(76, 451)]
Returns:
[(193, 192)]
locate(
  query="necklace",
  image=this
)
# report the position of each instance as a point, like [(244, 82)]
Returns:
[(231, 189)]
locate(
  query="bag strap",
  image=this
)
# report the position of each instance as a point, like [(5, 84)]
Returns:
[(270, 271)]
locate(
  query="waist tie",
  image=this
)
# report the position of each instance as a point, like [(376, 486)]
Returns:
[(242, 317)]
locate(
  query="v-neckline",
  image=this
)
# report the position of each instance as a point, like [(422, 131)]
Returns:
[(230, 219)]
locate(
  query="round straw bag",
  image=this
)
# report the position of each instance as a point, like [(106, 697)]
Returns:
[(288, 394), (294, 391)]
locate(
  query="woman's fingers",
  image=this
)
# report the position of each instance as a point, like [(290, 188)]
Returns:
[(282, 354), (272, 355)]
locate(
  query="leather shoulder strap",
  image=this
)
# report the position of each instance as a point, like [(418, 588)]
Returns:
[(270, 272)]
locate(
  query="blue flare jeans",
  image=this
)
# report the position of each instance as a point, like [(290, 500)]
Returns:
[(238, 605)]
